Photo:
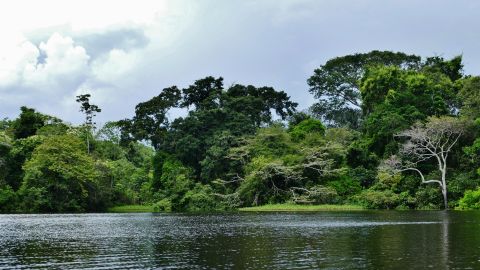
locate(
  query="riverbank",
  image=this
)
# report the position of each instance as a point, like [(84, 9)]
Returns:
[(131, 209), (263, 208), (296, 207)]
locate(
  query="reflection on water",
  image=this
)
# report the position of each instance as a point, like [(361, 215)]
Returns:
[(332, 240)]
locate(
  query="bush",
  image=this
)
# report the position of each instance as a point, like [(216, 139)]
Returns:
[(317, 195), (165, 205), (471, 200), (305, 127), (374, 199), (8, 200), (461, 182), (200, 198), (428, 197), (345, 185)]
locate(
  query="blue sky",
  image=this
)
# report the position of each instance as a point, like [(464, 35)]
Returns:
[(125, 52)]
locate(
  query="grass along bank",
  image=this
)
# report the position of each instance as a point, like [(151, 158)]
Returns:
[(298, 207), (134, 208), (263, 208)]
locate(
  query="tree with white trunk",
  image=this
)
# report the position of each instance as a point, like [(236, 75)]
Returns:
[(424, 141)]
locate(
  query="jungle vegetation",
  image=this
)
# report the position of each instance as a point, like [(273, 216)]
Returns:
[(387, 131)]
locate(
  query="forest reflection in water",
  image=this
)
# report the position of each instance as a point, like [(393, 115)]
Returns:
[(333, 240)]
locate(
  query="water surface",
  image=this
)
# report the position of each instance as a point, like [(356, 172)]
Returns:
[(325, 240)]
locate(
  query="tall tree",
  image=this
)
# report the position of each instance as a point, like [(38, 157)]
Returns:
[(90, 111), (151, 121), (336, 84), (394, 99), (216, 118)]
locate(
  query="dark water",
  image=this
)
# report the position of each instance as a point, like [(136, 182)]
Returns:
[(326, 240)]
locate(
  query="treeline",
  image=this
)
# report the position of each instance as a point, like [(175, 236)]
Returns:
[(388, 130)]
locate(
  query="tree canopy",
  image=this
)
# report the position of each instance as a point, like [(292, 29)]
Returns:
[(384, 124)]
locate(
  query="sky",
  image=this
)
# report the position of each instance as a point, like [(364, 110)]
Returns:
[(126, 52)]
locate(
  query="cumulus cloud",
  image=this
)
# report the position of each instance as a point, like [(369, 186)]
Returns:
[(125, 52), (15, 61), (62, 62), (111, 67)]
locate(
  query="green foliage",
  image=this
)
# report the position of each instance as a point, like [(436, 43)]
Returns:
[(216, 163), (303, 207), (60, 175), (336, 87), (27, 123), (279, 168), (53, 129), (469, 95), (305, 127), (459, 183), (8, 200), (394, 99), (265, 182), (200, 198), (345, 185), (179, 193), (315, 195), (216, 117), (232, 149), (471, 200), (5, 146), (164, 205), (376, 199), (20, 152), (451, 68)]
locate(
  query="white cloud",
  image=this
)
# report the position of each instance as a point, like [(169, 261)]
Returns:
[(24, 15), (125, 52), (16, 58), (53, 50), (64, 62), (114, 65)]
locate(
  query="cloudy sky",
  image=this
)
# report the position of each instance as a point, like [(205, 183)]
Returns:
[(125, 52)]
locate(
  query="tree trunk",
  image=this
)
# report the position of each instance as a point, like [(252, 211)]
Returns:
[(444, 185), (444, 193), (88, 145)]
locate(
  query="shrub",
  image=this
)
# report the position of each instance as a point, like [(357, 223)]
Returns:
[(305, 127), (428, 197), (471, 200), (317, 195), (375, 199), (8, 200), (345, 185), (199, 198), (165, 205)]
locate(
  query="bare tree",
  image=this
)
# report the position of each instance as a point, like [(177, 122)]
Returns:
[(434, 139)]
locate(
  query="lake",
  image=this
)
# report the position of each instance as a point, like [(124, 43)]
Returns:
[(325, 240)]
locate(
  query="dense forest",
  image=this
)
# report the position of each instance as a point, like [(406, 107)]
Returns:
[(388, 130)]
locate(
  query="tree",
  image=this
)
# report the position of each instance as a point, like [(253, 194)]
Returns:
[(150, 121), (90, 111), (20, 151), (469, 96), (27, 123), (336, 84), (59, 177), (394, 99), (434, 139), (5, 146), (299, 131)]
